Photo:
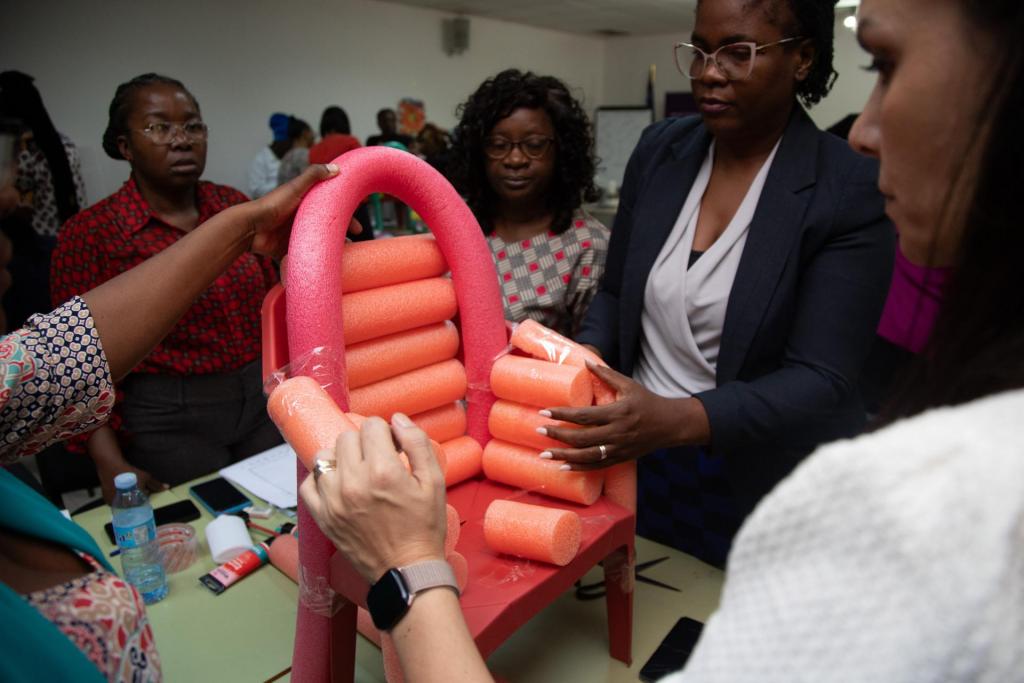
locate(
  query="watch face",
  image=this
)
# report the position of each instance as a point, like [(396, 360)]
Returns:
[(388, 600)]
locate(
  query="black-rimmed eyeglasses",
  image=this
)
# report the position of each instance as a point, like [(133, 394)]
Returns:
[(533, 146)]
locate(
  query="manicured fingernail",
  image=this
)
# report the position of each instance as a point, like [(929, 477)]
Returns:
[(565, 468), (547, 455), (545, 413), (402, 420), (542, 430), (332, 168)]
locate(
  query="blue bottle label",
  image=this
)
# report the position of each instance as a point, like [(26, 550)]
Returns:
[(135, 536)]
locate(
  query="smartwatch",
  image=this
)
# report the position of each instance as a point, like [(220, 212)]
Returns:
[(390, 598)]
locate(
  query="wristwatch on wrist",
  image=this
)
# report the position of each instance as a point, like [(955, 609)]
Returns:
[(390, 598)]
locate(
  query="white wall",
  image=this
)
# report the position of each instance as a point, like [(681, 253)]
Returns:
[(627, 60), (246, 60)]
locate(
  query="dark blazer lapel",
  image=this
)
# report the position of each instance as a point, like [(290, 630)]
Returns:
[(654, 216), (773, 235)]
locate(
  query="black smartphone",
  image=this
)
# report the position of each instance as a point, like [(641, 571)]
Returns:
[(674, 650), (219, 496), (182, 511)]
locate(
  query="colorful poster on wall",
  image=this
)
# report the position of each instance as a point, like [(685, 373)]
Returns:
[(411, 116)]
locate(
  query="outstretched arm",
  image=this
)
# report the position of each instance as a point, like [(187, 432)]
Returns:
[(135, 310)]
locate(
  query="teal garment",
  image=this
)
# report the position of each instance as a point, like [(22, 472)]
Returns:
[(32, 648)]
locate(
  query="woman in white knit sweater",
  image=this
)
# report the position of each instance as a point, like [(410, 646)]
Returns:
[(896, 556)]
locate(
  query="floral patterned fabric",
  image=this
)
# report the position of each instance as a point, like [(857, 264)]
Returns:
[(104, 616), (54, 381)]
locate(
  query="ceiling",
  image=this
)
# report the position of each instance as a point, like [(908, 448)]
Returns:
[(608, 17)]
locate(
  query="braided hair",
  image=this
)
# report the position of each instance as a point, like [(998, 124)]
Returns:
[(20, 99), (495, 99), (813, 20), (120, 106)]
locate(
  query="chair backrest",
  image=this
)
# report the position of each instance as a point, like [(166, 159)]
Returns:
[(314, 316)]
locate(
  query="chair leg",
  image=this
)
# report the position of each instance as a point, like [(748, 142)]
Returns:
[(619, 582), (343, 644)]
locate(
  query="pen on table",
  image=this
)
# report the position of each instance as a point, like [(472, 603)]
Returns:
[(115, 552)]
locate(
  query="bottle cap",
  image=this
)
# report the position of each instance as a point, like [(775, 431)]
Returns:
[(126, 481)]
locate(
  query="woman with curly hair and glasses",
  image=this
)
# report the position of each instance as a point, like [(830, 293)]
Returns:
[(523, 159)]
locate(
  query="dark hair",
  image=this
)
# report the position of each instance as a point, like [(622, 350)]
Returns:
[(813, 20), (494, 100), (117, 123), (20, 99), (334, 120), (977, 345), (296, 127)]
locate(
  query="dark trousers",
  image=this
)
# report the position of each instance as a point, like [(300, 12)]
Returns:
[(180, 428)]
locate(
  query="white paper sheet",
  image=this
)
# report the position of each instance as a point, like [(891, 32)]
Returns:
[(269, 475)]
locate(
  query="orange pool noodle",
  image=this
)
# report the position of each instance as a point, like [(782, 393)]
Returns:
[(460, 567), (284, 554), (532, 531), (516, 423), (464, 457), (453, 527), (382, 311), (307, 417), (378, 263), (540, 342), (620, 485), (540, 383), (439, 455), (413, 392), (444, 423), (384, 357), (523, 468)]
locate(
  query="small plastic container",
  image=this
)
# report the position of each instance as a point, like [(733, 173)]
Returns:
[(178, 546)]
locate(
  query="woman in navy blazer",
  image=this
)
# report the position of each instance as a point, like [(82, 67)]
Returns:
[(801, 311)]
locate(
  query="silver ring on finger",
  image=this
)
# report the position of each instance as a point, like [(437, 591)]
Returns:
[(604, 451), (323, 465)]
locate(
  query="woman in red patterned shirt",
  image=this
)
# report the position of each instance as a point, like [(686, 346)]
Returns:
[(195, 403)]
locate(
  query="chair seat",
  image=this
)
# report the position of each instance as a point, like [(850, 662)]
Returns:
[(505, 592)]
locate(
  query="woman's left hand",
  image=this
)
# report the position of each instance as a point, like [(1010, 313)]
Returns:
[(270, 217), (637, 423)]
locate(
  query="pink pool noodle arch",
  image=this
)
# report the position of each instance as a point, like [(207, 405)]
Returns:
[(314, 316)]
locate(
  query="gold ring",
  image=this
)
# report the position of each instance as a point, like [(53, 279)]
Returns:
[(322, 466), (604, 451)]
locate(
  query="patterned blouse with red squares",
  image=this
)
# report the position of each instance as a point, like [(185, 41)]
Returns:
[(552, 278), (219, 334)]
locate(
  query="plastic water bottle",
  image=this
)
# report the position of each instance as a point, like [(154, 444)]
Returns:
[(135, 532)]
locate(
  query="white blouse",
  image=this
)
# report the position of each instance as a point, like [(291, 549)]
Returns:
[(684, 307)]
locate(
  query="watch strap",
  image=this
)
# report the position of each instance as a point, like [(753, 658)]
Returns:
[(429, 574)]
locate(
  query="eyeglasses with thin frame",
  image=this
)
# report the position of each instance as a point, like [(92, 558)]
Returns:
[(533, 146), (163, 133), (734, 61)]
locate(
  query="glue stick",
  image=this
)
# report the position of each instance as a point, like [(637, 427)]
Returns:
[(234, 570)]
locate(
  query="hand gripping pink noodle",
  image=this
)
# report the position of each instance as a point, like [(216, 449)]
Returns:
[(314, 316)]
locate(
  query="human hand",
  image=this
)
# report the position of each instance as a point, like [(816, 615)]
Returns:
[(270, 217), (147, 482), (106, 455), (637, 423), (374, 511)]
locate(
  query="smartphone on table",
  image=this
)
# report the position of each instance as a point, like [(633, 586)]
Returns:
[(220, 496), (182, 511), (673, 652)]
